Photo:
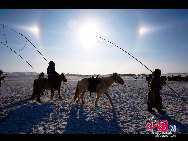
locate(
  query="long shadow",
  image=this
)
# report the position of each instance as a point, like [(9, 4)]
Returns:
[(79, 123), (104, 126), (24, 118), (180, 128), (6, 110)]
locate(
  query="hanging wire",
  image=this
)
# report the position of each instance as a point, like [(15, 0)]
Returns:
[(25, 38), (25, 45), (18, 55), (142, 65), (125, 52)]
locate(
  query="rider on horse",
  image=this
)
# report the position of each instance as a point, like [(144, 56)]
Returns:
[(53, 76)]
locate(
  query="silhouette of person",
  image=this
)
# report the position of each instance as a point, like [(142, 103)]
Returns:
[(154, 98), (53, 76)]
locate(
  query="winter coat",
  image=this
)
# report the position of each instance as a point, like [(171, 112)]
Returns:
[(154, 98)]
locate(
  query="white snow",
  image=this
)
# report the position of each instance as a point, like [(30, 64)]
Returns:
[(129, 116)]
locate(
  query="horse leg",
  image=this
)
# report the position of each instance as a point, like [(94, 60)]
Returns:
[(34, 90), (52, 94), (78, 98), (38, 96), (33, 95), (110, 100), (97, 98), (59, 94), (82, 96), (76, 95)]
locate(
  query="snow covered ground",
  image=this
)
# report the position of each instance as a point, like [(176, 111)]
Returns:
[(129, 116)]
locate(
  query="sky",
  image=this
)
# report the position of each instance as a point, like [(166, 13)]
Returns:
[(70, 38)]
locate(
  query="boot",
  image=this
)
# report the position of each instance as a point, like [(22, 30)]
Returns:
[(161, 112), (150, 110)]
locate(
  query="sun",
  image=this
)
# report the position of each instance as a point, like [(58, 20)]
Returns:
[(87, 34)]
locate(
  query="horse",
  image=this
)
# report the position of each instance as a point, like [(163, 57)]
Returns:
[(41, 84), (101, 88)]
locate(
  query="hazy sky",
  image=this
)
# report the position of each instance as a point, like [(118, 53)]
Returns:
[(158, 38)]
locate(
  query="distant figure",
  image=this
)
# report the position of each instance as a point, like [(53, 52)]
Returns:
[(154, 98), (53, 76), (1, 77)]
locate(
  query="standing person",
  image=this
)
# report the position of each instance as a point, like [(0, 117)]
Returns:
[(1, 77), (53, 76), (154, 98)]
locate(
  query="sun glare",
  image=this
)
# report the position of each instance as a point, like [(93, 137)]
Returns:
[(142, 31), (87, 34), (35, 30)]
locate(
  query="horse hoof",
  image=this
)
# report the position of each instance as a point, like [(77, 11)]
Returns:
[(60, 98), (77, 101), (38, 101), (31, 98), (83, 102)]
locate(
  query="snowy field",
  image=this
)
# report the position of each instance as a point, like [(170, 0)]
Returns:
[(129, 116)]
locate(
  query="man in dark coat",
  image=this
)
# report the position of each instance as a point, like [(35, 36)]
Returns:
[(53, 76), (154, 98)]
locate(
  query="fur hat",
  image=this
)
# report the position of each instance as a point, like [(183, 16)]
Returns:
[(157, 71), (51, 63)]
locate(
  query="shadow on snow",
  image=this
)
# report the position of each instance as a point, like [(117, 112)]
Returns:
[(24, 117), (78, 122)]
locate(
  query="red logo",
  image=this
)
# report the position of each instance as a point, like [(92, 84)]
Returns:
[(161, 126)]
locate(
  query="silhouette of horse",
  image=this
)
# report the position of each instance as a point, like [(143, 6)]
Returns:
[(41, 84), (102, 87)]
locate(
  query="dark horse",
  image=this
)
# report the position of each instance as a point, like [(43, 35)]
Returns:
[(41, 84)]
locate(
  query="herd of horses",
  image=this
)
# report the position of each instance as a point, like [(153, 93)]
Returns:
[(102, 87), (104, 83), (177, 78)]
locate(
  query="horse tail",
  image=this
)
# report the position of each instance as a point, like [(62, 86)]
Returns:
[(35, 89), (35, 86)]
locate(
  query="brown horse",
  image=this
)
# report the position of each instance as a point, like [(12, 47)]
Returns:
[(102, 87), (42, 84)]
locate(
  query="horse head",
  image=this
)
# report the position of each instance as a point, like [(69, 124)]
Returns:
[(63, 78), (117, 79)]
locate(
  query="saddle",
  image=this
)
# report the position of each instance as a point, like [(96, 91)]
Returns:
[(93, 82)]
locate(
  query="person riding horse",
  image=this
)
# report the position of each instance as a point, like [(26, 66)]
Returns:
[(53, 76)]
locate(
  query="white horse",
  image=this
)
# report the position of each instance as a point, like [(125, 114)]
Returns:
[(102, 87)]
